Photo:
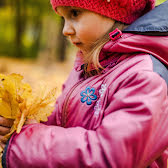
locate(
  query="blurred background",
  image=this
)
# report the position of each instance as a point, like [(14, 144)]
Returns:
[(31, 42)]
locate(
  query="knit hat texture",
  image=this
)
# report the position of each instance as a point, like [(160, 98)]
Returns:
[(126, 11)]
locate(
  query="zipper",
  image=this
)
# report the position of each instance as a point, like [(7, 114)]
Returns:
[(64, 110)]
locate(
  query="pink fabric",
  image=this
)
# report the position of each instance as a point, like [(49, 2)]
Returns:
[(125, 127), (125, 11)]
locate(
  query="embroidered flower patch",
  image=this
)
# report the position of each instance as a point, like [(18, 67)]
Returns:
[(88, 95)]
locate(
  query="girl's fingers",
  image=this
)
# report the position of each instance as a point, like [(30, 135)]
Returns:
[(2, 145), (3, 140), (6, 122), (4, 130)]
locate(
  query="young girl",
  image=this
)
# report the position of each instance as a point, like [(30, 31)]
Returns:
[(113, 111)]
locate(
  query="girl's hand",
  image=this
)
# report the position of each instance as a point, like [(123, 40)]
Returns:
[(5, 126)]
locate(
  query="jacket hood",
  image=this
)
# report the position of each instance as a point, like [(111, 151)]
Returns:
[(153, 23), (148, 34)]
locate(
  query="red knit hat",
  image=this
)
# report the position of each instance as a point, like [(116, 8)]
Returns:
[(126, 11)]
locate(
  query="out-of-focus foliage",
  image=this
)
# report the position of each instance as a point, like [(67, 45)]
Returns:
[(158, 2), (28, 27)]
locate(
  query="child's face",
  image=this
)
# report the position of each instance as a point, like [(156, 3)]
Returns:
[(83, 27)]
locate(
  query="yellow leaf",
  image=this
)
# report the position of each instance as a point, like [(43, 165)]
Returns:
[(18, 102), (5, 109)]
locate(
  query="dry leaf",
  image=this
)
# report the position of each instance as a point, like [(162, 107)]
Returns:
[(18, 102)]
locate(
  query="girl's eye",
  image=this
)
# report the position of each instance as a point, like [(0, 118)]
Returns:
[(75, 13)]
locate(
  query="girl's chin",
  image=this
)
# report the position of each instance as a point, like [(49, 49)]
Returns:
[(82, 48)]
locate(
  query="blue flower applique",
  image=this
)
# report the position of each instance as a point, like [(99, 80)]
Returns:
[(88, 95)]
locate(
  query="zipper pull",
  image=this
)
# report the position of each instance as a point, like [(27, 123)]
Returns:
[(116, 34)]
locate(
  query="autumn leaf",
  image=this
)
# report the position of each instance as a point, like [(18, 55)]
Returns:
[(18, 102)]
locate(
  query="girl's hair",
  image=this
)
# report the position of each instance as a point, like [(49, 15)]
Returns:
[(91, 59)]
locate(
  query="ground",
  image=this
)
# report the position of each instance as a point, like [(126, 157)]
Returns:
[(35, 72)]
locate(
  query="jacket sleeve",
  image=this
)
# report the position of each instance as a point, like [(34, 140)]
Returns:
[(132, 134)]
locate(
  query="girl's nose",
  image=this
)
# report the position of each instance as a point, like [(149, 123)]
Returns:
[(68, 29)]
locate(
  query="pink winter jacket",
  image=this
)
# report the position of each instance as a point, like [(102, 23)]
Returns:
[(118, 119)]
